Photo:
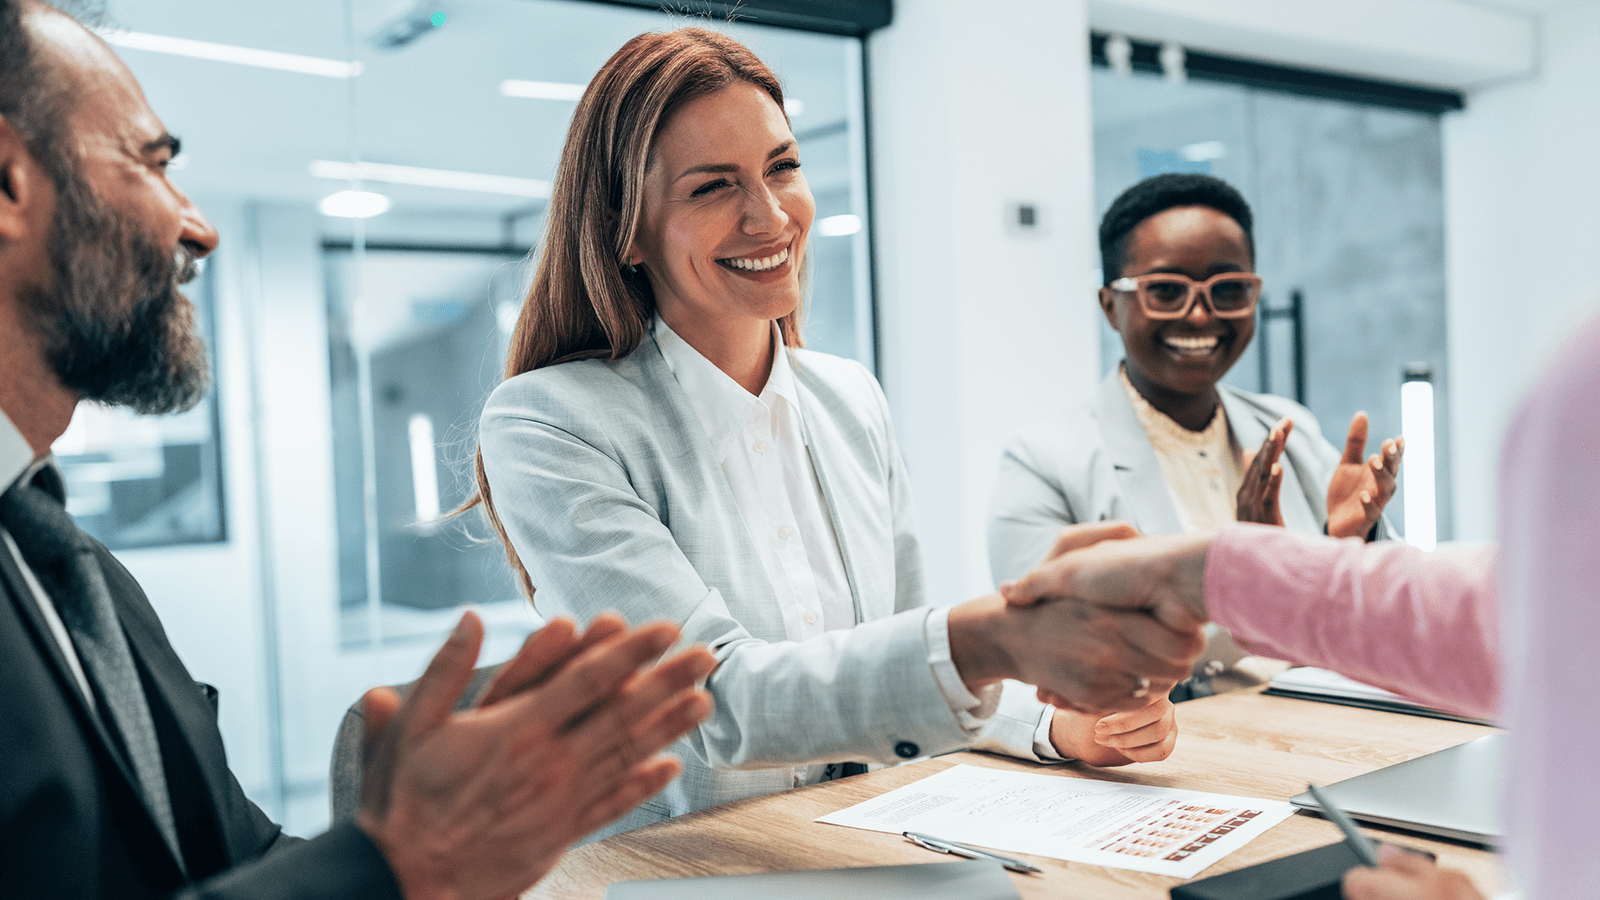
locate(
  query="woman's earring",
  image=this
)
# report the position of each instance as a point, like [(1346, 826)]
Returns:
[(628, 267)]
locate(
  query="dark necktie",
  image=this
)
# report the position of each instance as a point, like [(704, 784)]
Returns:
[(63, 558)]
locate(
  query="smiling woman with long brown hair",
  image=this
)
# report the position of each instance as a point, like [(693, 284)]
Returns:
[(663, 446)]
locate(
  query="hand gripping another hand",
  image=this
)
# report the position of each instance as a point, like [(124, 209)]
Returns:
[(1141, 602)]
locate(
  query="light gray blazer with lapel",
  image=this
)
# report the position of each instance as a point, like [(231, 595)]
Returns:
[(615, 500), (1098, 464)]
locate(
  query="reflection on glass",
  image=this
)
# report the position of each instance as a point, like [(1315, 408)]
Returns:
[(432, 330), (147, 481)]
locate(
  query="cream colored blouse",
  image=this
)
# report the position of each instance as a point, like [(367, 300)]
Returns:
[(1202, 469)]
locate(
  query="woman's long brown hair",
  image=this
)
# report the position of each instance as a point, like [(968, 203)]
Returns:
[(584, 302)]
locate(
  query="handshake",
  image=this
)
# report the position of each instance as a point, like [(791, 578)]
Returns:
[(1125, 616), (481, 803)]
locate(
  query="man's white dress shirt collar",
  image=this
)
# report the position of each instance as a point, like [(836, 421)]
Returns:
[(17, 463), (16, 457)]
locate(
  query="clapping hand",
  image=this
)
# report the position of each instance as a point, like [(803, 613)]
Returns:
[(481, 804), (1263, 476), (1360, 488)]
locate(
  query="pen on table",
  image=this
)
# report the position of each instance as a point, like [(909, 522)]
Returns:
[(1365, 851), (939, 845)]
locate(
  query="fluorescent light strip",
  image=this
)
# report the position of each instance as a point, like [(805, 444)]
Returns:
[(1203, 151), (244, 56), (542, 90), (435, 178), (424, 467), (1416, 423)]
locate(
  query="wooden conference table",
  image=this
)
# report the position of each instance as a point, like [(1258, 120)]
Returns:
[(1241, 743)]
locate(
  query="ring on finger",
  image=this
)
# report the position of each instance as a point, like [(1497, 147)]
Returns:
[(1143, 688)]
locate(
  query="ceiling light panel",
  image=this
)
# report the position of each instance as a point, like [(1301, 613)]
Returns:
[(436, 178), (542, 90), (228, 53), (354, 205)]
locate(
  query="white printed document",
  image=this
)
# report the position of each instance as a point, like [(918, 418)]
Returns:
[(1127, 826)]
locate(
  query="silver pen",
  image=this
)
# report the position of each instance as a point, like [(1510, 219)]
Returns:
[(939, 845), (1358, 842)]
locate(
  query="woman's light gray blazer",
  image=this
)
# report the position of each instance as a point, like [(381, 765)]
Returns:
[(615, 500), (1098, 464)]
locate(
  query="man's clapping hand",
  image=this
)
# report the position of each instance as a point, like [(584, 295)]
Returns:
[(481, 804)]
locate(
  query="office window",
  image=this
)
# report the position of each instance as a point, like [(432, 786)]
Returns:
[(144, 481), (407, 385)]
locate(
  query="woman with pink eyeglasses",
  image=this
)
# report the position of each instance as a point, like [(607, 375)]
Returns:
[(1163, 444)]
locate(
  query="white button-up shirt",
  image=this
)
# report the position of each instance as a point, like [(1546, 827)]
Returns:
[(760, 441)]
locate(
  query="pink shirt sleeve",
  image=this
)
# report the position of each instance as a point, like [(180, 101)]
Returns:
[(1550, 584), (1420, 624), (1425, 624)]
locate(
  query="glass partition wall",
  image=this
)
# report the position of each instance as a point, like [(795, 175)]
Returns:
[(379, 173)]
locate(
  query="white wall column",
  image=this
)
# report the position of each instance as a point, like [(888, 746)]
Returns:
[(986, 325), (1521, 237)]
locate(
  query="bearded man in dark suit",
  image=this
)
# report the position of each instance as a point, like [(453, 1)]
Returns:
[(113, 780)]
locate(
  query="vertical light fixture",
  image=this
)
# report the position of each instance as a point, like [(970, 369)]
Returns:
[(1173, 59), (1416, 424), (1119, 54), (424, 468)]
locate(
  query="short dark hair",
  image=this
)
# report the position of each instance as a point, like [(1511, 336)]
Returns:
[(32, 97), (1159, 194)]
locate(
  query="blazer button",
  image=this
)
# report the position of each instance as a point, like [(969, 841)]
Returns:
[(907, 750)]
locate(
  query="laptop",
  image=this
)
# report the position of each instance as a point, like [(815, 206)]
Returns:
[(1452, 793)]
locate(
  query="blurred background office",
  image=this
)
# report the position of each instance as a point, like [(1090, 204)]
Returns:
[(378, 170)]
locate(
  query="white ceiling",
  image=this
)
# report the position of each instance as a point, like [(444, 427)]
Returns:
[(250, 133)]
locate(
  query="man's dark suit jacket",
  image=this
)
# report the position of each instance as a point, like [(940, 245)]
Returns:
[(72, 825)]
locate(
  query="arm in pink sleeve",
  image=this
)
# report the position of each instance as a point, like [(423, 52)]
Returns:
[(1420, 624), (1549, 578)]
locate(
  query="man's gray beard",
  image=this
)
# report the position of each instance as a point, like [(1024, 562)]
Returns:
[(113, 325)]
